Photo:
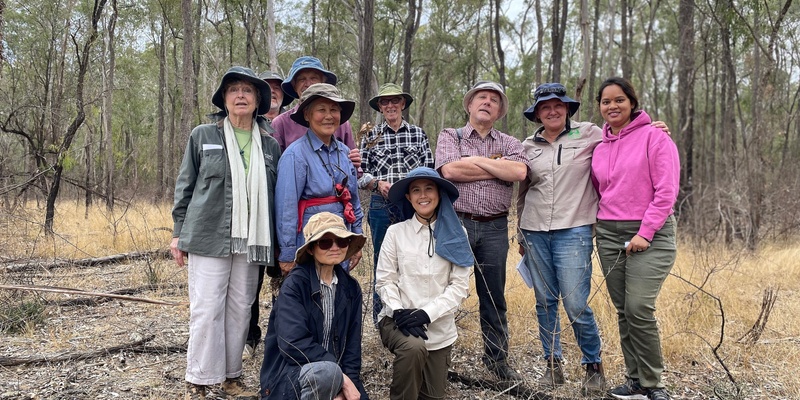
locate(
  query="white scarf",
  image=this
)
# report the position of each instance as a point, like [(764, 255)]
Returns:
[(250, 231)]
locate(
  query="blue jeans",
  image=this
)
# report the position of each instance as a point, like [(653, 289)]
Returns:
[(489, 243), (382, 213), (560, 262), (321, 380)]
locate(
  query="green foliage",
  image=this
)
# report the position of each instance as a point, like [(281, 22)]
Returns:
[(17, 316)]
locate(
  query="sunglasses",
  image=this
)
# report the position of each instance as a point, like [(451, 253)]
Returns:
[(385, 101), (325, 244)]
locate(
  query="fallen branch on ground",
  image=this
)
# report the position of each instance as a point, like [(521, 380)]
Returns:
[(89, 262), (85, 293), (11, 361), (516, 389)]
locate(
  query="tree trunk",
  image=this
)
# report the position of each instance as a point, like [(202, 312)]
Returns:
[(686, 101), (501, 55), (411, 25), (366, 60), (160, 117), (539, 43), (624, 50), (108, 104), (273, 52), (188, 95), (557, 37)]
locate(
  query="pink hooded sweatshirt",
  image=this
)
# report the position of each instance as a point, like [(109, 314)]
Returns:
[(637, 175)]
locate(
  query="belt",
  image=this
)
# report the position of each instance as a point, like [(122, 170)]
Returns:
[(481, 218)]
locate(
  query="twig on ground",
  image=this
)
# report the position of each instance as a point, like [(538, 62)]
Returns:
[(89, 262), (85, 293), (11, 361)]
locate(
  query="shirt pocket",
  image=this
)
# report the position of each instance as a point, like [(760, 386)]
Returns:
[(413, 156), (578, 153), (213, 164)]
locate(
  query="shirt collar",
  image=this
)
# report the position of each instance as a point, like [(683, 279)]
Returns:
[(470, 130), (403, 125), (317, 144), (418, 226)]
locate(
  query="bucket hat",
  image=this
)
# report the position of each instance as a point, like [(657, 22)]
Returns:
[(320, 224), (274, 76), (238, 73), (547, 91), (390, 89), (305, 62), (397, 193), (327, 91), (487, 85)]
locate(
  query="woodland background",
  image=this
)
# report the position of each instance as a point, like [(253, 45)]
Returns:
[(99, 96)]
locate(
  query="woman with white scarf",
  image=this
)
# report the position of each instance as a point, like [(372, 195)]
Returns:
[(224, 222)]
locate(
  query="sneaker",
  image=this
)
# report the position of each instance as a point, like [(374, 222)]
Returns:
[(249, 350), (553, 374), (235, 387), (195, 392), (595, 380), (658, 394), (630, 390), (503, 371)]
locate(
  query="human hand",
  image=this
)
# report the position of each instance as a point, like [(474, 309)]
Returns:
[(383, 188), (637, 245), (354, 260), (349, 390), (355, 158), (661, 125), (413, 317), (177, 254), (286, 267)]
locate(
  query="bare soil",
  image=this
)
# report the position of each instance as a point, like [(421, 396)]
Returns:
[(151, 363)]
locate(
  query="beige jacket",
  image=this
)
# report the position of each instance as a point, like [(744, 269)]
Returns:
[(558, 192)]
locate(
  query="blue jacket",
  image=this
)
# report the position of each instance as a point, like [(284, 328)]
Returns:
[(294, 333)]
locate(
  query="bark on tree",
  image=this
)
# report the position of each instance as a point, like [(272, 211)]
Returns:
[(411, 25), (557, 33), (686, 101), (501, 55), (160, 117), (188, 95), (366, 60), (108, 104)]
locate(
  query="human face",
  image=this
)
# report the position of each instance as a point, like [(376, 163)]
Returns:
[(615, 107), (484, 108), (277, 93), (553, 114), (323, 118), (392, 107), (423, 194), (332, 255), (240, 99), (305, 78)]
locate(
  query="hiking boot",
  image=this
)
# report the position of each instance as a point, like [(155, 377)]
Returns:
[(630, 390), (195, 392), (553, 374), (595, 380), (215, 392), (503, 371), (249, 350), (658, 394), (235, 387)]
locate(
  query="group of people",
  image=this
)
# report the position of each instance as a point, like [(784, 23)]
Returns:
[(262, 192)]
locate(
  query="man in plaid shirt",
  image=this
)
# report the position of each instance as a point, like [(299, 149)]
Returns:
[(388, 152), (484, 163)]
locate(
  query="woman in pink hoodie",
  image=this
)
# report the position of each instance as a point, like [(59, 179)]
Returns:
[(636, 172)]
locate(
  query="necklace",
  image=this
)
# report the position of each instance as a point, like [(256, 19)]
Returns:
[(243, 148)]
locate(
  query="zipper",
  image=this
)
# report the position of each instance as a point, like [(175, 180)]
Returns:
[(559, 155)]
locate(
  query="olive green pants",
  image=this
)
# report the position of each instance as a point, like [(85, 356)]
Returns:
[(417, 373), (633, 283)]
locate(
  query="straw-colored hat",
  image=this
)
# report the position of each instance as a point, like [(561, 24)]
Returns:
[(387, 90), (320, 224)]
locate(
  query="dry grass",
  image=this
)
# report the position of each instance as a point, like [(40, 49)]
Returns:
[(690, 319)]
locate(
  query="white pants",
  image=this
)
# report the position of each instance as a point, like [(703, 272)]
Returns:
[(221, 291)]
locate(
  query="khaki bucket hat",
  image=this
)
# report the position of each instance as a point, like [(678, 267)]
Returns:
[(388, 90), (320, 224)]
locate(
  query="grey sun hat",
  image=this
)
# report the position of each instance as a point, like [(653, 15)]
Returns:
[(547, 91), (238, 73), (387, 90), (305, 62), (487, 85), (327, 91), (320, 224), (274, 76)]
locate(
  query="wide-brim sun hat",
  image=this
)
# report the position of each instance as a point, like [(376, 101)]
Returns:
[(326, 91), (320, 224), (547, 91), (398, 191), (390, 90), (305, 62), (238, 73), (487, 85), (275, 76)]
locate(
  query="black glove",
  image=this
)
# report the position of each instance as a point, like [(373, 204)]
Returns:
[(413, 317), (397, 314), (418, 331)]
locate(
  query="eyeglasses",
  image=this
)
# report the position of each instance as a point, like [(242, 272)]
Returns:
[(325, 244), (384, 101)]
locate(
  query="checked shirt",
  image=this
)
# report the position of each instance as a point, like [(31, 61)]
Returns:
[(389, 155)]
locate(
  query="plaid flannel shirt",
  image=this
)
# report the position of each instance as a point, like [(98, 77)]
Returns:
[(389, 156)]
